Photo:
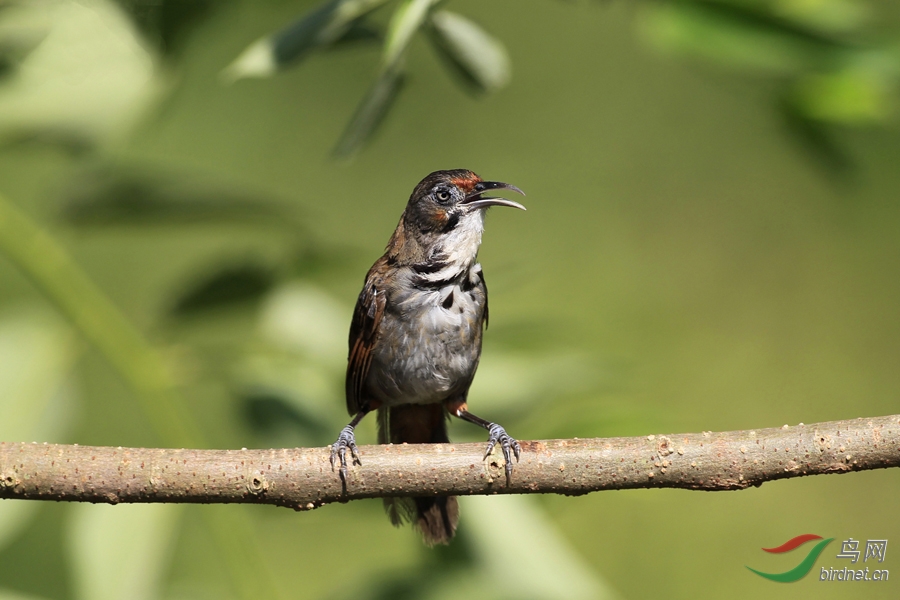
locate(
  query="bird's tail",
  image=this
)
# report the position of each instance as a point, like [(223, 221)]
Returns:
[(436, 516)]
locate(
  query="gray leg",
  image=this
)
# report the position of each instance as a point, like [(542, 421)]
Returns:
[(346, 440), (496, 435)]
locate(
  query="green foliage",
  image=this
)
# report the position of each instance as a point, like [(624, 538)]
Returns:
[(36, 398), (480, 59), (121, 197), (831, 67), (121, 551), (470, 52), (322, 27), (81, 75), (371, 110)]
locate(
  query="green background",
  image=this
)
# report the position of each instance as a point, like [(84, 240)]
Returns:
[(687, 263)]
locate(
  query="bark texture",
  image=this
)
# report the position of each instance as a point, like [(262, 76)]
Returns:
[(303, 479)]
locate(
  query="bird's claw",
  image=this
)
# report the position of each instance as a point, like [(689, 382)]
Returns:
[(498, 435), (339, 450)]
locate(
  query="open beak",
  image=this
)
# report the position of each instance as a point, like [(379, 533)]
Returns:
[(476, 200)]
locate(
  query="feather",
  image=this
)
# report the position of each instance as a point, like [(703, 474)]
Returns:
[(434, 517), (363, 335)]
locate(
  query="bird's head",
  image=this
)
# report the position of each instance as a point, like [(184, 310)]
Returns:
[(444, 218), (446, 200)]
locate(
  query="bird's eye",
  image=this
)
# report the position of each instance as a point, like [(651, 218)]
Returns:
[(442, 195)]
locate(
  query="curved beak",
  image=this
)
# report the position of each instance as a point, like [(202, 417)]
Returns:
[(476, 200)]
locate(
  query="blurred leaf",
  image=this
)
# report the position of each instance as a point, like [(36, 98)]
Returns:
[(36, 355), (445, 571), (278, 419), (816, 138), (824, 15), (21, 31), (739, 35), (359, 31), (511, 535), (852, 97), (266, 56), (121, 551), (318, 258), (837, 76), (87, 82), (498, 536), (11, 595), (477, 56), (311, 389), (514, 382), (347, 15), (63, 282), (305, 332), (324, 25), (169, 21), (370, 112), (227, 286), (301, 317), (110, 197), (407, 19)]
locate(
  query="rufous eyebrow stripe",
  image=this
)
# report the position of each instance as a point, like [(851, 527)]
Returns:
[(466, 182)]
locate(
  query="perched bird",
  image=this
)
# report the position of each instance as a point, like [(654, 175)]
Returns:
[(415, 338)]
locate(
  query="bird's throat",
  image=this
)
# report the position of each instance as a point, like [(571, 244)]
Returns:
[(430, 252)]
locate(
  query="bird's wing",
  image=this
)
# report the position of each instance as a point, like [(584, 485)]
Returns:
[(484, 285), (363, 332)]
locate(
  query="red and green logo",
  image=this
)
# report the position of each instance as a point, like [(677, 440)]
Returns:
[(805, 566)]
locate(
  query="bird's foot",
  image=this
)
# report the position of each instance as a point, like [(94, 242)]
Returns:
[(509, 445), (339, 450)]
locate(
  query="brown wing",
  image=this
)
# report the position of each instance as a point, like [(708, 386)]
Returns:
[(484, 285), (363, 332)]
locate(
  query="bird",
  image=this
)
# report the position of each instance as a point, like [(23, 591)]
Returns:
[(415, 336)]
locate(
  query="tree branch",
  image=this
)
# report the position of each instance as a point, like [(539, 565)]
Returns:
[(303, 479)]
